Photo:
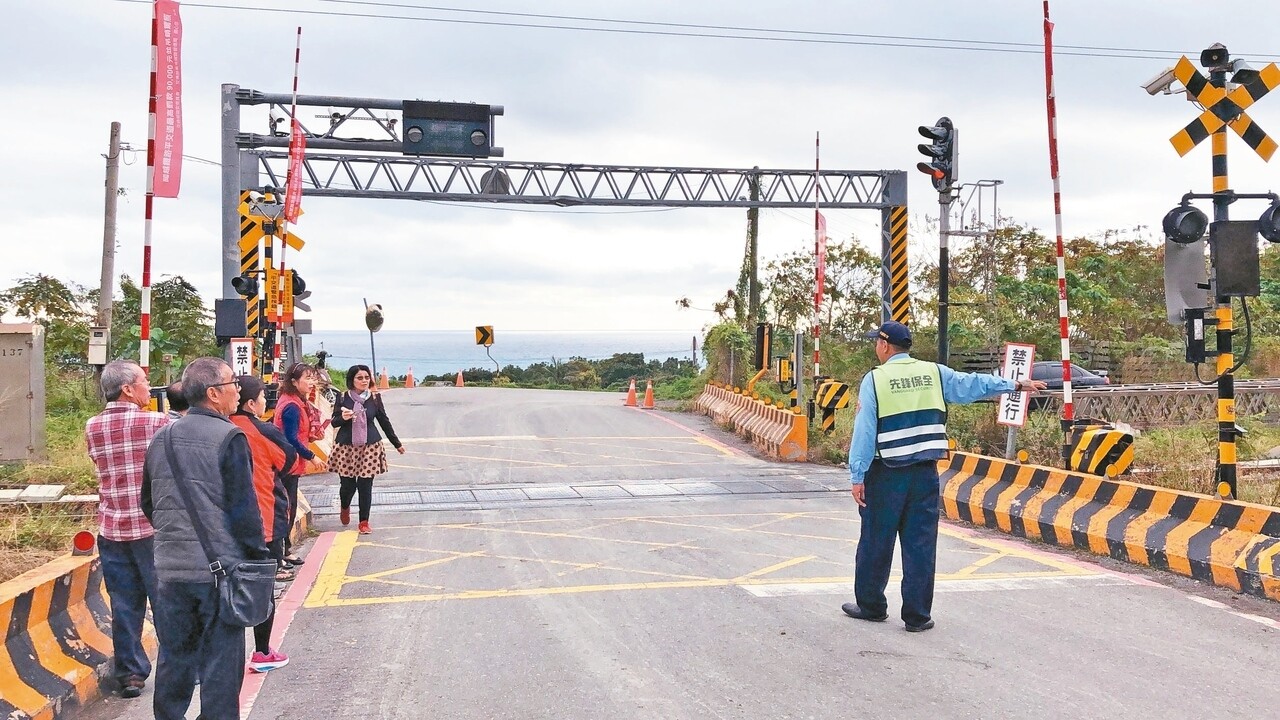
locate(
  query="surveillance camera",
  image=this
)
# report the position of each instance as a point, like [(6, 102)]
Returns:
[(1160, 83)]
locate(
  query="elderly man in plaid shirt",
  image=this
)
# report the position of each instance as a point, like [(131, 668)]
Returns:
[(117, 440)]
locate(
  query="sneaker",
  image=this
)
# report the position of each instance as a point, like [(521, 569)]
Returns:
[(131, 687), (344, 516), (273, 660), (364, 527)]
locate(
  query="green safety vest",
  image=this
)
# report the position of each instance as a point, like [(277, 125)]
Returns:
[(911, 426)]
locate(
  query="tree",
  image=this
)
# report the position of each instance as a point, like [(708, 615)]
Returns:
[(182, 325), (851, 292), (62, 308)]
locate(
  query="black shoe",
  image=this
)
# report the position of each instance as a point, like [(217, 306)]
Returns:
[(853, 610), (131, 687), (926, 625)]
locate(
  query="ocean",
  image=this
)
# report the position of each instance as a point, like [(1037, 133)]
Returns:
[(447, 352)]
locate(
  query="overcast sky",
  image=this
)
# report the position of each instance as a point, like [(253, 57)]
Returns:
[(576, 96)]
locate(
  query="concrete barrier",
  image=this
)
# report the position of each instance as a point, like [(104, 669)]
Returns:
[(780, 433), (1234, 545), (57, 638)]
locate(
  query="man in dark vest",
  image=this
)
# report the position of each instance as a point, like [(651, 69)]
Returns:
[(899, 435), (213, 463)]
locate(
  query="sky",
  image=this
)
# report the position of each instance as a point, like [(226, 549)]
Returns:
[(644, 97)]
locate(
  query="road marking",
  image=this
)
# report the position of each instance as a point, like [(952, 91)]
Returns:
[(774, 568), (702, 438), (493, 459)]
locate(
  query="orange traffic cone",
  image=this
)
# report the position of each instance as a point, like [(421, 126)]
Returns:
[(408, 378), (648, 395), (458, 382), (382, 381), (631, 394)]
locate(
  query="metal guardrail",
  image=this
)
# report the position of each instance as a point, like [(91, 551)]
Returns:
[(1164, 404)]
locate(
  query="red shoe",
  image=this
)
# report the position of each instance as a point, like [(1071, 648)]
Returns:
[(344, 516), (364, 527)]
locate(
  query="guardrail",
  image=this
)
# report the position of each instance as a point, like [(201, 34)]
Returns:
[(1231, 544), (782, 433), (1164, 404)]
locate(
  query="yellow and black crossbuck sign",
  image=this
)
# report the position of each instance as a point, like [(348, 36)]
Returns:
[(484, 335), (1225, 108)]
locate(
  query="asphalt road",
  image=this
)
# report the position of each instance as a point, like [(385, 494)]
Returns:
[(716, 596)]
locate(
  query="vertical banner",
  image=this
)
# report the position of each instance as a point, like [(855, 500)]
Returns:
[(293, 185), (1018, 359), (822, 261), (168, 68)]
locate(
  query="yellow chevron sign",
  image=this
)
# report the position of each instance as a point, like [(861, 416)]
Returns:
[(1225, 108)]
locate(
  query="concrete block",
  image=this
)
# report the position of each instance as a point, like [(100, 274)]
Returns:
[(41, 493), (10, 495)]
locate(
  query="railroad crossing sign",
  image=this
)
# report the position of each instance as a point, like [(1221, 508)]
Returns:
[(484, 335), (1225, 108)]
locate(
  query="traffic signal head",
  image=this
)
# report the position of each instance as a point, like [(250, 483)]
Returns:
[(245, 284), (943, 154), (1269, 223), (297, 284), (1185, 224)]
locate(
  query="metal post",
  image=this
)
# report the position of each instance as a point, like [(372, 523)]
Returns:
[(106, 286), (944, 272), (1010, 443), (1225, 477), (798, 372), (231, 187)]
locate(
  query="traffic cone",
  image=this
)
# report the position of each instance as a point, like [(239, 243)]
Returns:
[(408, 378), (648, 395), (382, 381), (458, 382), (631, 394)]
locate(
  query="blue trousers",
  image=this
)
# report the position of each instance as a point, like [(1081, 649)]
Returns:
[(129, 572), (902, 503), (194, 643)]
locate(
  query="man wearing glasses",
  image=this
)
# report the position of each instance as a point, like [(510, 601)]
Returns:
[(117, 440), (211, 460)]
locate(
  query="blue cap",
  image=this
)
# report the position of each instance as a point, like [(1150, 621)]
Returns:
[(894, 333)]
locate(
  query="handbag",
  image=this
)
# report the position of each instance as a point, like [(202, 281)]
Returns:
[(246, 590)]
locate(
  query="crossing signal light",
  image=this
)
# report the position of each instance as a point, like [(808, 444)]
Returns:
[(942, 152), (449, 129), (1185, 224), (297, 285), (245, 284), (1269, 223)]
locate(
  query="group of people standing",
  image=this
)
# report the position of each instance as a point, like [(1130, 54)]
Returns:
[(213, 467)]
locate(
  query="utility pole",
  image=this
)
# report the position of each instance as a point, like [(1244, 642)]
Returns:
[(106, 286), (753, 239)]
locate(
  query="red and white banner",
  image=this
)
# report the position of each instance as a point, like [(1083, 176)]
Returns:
[(293, 185), (167, 56), (821, 243)]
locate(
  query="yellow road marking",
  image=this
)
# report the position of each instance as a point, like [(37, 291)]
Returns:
[(496, 459), (718, 447), (980, 563), (774, 568), (415, 566), (573, 537), (333, 572)]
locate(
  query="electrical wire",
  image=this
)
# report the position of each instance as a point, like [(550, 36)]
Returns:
[(881, 41), (1244, 356)]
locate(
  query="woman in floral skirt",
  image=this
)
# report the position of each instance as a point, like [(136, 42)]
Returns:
[(358, 454)]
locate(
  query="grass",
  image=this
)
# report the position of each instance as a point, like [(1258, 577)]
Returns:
[(31, 535)]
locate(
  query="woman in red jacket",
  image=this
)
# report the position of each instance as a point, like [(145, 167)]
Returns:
[(358, 454), (300, 422)]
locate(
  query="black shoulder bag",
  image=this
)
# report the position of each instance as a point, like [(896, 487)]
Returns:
[(246, 590)]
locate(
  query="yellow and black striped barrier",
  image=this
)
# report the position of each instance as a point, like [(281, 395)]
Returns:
[(832, 395), (1232, 544), (780, 432), (1100, 450), (899, 294), (57, 628)]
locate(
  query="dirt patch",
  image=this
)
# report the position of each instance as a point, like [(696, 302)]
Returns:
[(15, 561)]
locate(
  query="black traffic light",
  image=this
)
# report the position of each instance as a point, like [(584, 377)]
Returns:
[(297, 284), (449, 129), (245, 284), (1269, 223), (943, 154), (1185, 224)]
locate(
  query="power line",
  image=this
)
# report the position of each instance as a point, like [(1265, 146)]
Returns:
[(814, 39)]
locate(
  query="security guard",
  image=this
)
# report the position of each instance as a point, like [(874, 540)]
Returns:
[(899, 435)]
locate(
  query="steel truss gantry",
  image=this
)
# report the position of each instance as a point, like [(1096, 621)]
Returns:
[(340, 165)]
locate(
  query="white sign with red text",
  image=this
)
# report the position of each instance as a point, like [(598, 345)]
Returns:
[(1018, 358), (242, 356)]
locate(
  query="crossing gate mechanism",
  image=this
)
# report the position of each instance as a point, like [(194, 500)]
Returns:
[(1101, 449)]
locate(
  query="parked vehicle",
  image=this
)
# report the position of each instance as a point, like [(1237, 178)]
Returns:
[(1051, 373)]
